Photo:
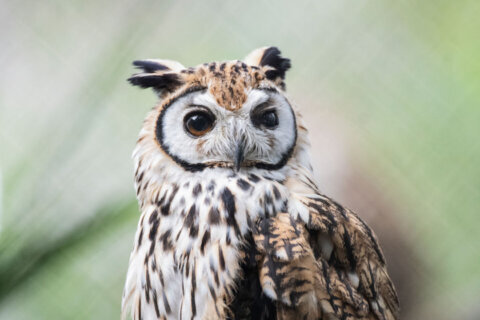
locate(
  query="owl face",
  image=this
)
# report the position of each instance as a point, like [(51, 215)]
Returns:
[(230, 114), (197, 132)]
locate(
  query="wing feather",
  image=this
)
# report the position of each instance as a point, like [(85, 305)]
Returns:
[(328, 267)]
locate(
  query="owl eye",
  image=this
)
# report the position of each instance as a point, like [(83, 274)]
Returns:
[(265, 115), (269, 119), (198, 123), (265, 118)]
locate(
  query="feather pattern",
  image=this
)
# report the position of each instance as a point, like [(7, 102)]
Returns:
[(215, 241)]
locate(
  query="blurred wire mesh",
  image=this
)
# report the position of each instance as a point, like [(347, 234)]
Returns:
[(390, 93)]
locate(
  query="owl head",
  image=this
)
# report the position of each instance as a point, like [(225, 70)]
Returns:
[(231, 114)]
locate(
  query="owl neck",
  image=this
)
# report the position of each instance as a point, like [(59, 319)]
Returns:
[(168, 182)]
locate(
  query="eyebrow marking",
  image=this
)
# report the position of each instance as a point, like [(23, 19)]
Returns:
[(197, 106), (268, 89), (263, 105)]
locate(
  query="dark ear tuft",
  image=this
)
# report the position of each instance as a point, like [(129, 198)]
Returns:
[(163, 76), (271, 57), (161, 83), (150, 66)]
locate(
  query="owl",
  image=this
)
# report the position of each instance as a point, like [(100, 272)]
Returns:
[(233, 225)]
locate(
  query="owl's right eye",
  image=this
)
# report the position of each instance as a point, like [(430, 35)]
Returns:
[(198, 123)]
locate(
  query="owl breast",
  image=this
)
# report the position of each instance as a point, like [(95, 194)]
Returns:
[(191, 242)]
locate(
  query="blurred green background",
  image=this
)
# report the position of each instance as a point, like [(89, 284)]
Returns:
[(390, 92)]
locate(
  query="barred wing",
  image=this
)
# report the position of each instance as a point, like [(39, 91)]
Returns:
[(328, 266)]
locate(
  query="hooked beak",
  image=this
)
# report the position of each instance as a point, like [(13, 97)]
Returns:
[(239, 154)]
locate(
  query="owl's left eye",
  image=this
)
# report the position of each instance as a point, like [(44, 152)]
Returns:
[(198, 123)]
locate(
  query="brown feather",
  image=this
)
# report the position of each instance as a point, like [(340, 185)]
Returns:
[(307, 281)]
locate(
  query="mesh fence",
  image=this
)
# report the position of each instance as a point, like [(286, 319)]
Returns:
[(390, 93)]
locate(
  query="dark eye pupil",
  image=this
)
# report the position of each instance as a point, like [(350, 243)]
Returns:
[(198, 123), (270, 119)]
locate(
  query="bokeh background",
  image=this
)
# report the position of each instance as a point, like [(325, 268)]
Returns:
[(389, 90)]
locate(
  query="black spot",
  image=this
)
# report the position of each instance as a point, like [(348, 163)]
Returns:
[(153, 264), (168, 310), (229, 205), (140, 177), (140, 236), (276, 193), (138, 189), (153, 230), (197, 189), (254, 178), (194, 307), (205, 238), (152, 248), (249, 220), (155, 303), (139, 308), (212, 292), (268, 199), (214, 216), (189, 221), (160, 276), (244, 185), (215, 276), (165, 207), (228, 239), (153, 217), (194, 231), (154, 221), (162, 200), (221, 259), (244, 67), (148, 286), (166, 240)]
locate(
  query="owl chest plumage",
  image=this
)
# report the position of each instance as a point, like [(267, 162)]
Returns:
[(191, 240)]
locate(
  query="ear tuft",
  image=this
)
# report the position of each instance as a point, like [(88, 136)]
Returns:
[(269, 57), (152, 65), (165, 81), (160, 75), (149, 66)]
